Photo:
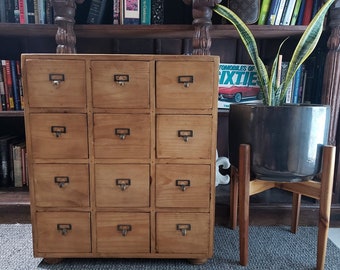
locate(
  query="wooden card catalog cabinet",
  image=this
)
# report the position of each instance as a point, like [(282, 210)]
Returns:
[(121, 154)]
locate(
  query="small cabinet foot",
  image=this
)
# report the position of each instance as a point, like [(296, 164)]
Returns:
[(52, 260), (198, 261)]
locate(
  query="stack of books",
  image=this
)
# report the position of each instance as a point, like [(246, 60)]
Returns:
[(288, 12)]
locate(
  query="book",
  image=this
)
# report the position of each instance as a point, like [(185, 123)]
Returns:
[(145, 11), (295, 12), (96, 11), (5, 168), (264, 12), (272, 13), (22, 11), (157, 11), (280, 12), (15, 86), (287, 15), (9, 89), (41, 12), (131, 12), (296, 85), (2, 90), (301, 11), (116, 11), (237, 83), (21, 90), (307, 13), (16, 11), (30, 11), (17, 164)]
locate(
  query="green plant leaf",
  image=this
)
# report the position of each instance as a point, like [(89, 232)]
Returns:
[(272, 94), (306, 45)]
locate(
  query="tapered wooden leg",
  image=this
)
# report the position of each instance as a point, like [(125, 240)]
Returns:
[(233, 197), (325, 203), (244, 180), (295, 212)]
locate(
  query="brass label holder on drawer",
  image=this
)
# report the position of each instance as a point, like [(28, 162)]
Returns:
[(185, 134), (121, 79), (61, 181), (183, 228), (58, 130), (123, 183), (122, 132), (64, 228), (183, 184), (56, 79), (124, 229), (186, 80)]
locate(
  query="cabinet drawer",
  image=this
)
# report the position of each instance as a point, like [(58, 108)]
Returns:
[(123, 232), (56, 83), (122, 185), (122, 135), (61, 185), (184, 85), (59, 135), (182, 232), (63, 232), (182, 185), (184, 136), (120, 84)]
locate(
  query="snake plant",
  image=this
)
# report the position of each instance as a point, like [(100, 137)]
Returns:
[(273, 93)]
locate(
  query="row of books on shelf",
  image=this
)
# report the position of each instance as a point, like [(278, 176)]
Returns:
[(238, 83), (13, 169), (11, 91), (26, 11), (288, 12)]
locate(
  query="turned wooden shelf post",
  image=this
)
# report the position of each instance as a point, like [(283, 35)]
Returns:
[(64, 12), (202, 13), (331, 81)]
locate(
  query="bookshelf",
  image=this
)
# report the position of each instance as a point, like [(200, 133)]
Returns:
[(157, 39)]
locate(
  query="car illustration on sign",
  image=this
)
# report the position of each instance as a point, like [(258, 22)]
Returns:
[(237, 93)]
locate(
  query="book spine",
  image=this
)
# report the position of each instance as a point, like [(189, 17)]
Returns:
[(295, 12), (157, 12), (21, 90), (41, 11), (307, 14), (145, 12), (264, 12), (9, 85), (2, 90), (36, 11), (16, 94), (9, 11), (2, 11), (274, 7), (296, 86), (116, 11), (131, 11), (30, 11), (289, 12), (16, 11), (22, 11), (49, 12), (17, 170), (301, 11), (96, 11), (280, 12)]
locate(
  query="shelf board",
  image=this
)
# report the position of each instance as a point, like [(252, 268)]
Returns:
[(11, 113), (145, 31)]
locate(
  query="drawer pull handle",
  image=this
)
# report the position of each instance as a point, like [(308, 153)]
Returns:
[(58, 130), (61, 181), (183, 184), (123, 183), (183, 228), (121, 79), (56, 79), (122, 132), (185, 134), (124, 229), (186, 80), (64, 228)]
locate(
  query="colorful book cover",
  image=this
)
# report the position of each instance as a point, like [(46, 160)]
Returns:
[(237, 83), (280, 12), (131, 12), (301, 12), (287, 16), (264, 12), (295, 12), (145, 12), (274, 7)]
